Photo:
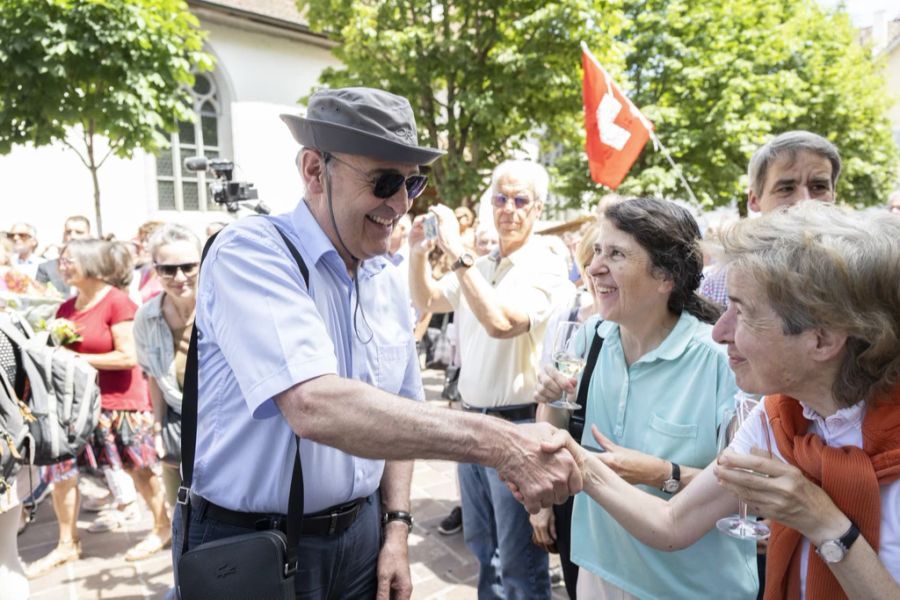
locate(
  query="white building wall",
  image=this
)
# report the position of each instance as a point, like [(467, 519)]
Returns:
[(261, 71)]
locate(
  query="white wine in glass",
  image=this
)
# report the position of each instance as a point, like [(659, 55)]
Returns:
[(565, 358)]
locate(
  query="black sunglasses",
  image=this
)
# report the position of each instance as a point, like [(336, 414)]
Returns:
[(389, 183), (169, 271)]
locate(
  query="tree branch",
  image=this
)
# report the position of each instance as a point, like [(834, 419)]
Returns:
[(76, 151)]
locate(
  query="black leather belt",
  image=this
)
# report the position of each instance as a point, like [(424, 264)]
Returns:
[(519, 412), (331, 521)]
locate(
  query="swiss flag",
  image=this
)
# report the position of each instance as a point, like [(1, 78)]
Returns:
[(616, 129)]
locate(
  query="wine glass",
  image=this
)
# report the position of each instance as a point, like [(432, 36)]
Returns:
[(566, 359), (740, 525)]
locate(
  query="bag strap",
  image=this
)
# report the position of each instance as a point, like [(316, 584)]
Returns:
[(189, 432), (584, 384)]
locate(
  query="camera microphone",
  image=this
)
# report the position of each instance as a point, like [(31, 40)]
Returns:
[(196, 163)]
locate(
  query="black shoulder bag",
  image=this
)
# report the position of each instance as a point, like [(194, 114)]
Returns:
[(260, 564), (576, 421)]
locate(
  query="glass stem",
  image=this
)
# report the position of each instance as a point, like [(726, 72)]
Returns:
[(742, 510)]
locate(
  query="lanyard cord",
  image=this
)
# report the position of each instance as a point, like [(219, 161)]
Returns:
[(357, 309)]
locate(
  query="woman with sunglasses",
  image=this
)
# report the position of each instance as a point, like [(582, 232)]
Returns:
[(103, 316), (162, 333)]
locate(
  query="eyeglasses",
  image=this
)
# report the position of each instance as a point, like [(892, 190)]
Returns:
[(169, 271), (501, 200), (389, 183), (18, 236)]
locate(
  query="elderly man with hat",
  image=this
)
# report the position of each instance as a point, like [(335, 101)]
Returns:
[(333, 362)]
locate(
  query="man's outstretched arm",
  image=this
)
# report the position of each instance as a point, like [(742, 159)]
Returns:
[(367, 422)]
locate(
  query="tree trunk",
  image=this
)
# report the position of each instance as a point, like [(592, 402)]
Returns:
[(97, 200), (93, 166)]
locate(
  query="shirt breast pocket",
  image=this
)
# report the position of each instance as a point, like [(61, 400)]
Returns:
[(671, 440), (391, 367)]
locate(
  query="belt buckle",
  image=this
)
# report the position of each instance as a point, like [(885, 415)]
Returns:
[(332, 526), (291, 567)]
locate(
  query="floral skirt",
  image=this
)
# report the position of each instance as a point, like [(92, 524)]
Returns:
[(123, 439)]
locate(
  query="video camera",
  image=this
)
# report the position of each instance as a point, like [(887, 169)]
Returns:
[(223, 190)]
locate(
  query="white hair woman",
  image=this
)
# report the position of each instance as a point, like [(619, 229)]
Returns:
[(162, 333), (812, 323)]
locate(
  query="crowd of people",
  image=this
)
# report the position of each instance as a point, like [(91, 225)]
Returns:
[(305, 329)]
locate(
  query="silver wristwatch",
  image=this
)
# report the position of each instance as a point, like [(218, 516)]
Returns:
[(834, 551), (673, 483)]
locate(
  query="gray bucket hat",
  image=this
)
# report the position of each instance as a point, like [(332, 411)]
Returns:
[(361, 121)]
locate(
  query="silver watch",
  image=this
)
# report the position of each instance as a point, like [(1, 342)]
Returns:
[(673, 483), (834, 551)]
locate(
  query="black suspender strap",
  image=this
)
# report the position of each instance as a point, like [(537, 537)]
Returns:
[(576, 421), (189, 430)]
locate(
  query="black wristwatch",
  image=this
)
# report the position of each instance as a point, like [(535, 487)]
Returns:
[(465, 260), (673, 483), (397, 515), (834, 551)]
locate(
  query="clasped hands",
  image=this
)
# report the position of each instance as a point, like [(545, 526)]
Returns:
[(538, 474)]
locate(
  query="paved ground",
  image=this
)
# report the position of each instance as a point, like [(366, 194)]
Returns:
[(442, 567)]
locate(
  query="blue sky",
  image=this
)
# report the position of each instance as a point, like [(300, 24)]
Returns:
[(862, 11)]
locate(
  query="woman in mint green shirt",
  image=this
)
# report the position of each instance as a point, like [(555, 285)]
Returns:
[(657, 393)]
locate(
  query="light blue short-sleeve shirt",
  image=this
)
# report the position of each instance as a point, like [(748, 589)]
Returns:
[(261, 332), (668, 404)]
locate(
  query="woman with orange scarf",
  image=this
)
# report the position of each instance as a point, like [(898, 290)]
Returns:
[(814, 324)]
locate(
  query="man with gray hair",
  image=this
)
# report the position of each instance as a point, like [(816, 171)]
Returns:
[(793, 166), (327, 355), (23, 238), (502, 302)]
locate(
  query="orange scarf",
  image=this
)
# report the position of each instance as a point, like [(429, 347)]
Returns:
[(850, 476)]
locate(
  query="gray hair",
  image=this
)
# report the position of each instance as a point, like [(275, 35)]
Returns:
[(107, 261), (530, 171), (171, 233), (31, 230), (789, 144), (822, 266)]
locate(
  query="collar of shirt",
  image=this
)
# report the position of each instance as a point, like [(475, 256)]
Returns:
[(319, 247), (843, 420), (522, 255), (154, 307), (31, 260), (670, 349), (399, 256)]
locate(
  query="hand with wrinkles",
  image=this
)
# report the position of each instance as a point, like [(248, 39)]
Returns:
[(551, 384), (779, 491), (538, 478)]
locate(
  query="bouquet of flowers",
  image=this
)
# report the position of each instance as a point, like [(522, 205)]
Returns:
[(62, 331)]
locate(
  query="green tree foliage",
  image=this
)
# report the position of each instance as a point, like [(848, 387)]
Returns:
[(718, 78), (120, 69), (481, 75)]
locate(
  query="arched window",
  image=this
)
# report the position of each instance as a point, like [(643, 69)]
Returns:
[(178, 188)]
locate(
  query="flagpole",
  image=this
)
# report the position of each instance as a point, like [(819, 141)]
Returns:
[(677, 169)]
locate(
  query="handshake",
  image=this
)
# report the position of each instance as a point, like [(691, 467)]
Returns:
[(541, 465)]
